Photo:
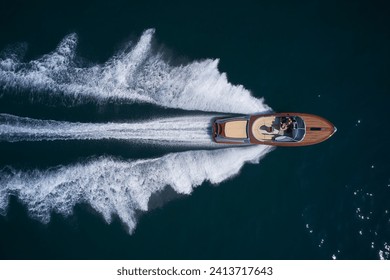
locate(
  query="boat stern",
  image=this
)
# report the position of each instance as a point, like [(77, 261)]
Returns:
[(231, 130)]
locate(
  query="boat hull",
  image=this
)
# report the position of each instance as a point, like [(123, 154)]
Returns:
[(307, 129)]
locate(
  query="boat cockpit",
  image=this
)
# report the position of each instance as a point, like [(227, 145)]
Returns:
[(279, 129)]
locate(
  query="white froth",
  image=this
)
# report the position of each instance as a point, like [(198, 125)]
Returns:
[(137, 74), (119, 187), (189, 130)]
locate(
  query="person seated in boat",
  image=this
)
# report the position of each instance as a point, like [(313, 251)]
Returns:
[(266, 129), (287, 124)]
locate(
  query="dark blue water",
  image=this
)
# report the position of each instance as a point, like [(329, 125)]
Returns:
[(105, 113)]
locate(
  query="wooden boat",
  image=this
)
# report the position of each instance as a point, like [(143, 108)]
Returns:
[(279, 129)]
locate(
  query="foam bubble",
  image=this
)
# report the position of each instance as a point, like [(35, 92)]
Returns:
[(136, 74), (120, 187)]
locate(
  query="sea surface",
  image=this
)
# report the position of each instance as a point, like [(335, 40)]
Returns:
[(105, 124)]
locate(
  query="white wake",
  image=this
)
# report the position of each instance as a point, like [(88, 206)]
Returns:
[(136, 74), (119, 187), (189, 130)]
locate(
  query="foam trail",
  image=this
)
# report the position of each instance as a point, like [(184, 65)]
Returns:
[(194, 130), (119, 187), (136, 74)]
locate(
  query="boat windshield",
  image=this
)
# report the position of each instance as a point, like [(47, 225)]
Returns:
[(299, 129)]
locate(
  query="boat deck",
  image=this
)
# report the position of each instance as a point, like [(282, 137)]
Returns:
[(317, 129), (236, 129)]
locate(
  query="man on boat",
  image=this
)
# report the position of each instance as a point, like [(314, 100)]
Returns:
[(287, 124)]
